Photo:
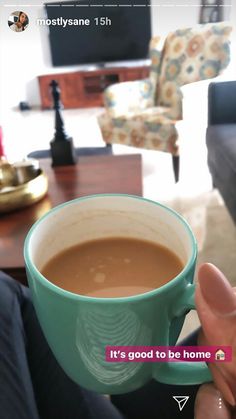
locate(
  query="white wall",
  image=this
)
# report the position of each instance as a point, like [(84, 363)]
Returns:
[(170, 15), (26, 55)]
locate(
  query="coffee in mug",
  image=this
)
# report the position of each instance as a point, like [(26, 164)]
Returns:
[(113, 267), (79, 327)]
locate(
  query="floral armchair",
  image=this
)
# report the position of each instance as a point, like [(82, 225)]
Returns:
[(144, 113)]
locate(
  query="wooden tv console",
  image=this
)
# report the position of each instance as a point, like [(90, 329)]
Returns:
[(83, 89)]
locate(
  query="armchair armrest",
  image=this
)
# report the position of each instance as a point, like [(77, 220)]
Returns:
[(222, 103), (128, 97)]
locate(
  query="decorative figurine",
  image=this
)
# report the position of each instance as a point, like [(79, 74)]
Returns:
[(62, 148)]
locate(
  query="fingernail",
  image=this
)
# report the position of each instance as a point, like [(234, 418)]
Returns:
[(216, 290)]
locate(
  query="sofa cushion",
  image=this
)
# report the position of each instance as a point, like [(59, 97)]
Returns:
[(221, 142)]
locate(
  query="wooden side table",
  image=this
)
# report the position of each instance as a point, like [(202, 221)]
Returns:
[(92, 175)]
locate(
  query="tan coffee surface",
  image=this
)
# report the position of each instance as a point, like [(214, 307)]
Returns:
[(114, 267)]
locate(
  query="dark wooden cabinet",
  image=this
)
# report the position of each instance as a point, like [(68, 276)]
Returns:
[(84, 89)]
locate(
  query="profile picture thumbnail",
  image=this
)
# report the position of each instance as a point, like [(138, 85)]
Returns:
[(18, 21)]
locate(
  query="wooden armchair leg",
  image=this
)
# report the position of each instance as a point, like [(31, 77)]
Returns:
[(175, 163)]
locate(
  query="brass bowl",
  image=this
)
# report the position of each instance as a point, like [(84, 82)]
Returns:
[(15, 197)]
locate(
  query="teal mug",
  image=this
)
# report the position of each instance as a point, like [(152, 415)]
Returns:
[(78, 328)]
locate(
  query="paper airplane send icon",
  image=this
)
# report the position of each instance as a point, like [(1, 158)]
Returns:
[(181, 400)]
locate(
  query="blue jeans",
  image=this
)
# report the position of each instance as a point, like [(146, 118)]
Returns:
[(33, 385)]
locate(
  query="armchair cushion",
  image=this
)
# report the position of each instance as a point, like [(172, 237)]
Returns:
[(150, 129), (129, 97), (170, 95)]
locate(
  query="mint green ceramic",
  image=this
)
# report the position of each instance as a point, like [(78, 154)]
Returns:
[(78, 328)]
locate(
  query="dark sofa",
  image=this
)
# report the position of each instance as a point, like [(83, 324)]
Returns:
[(221, 140)]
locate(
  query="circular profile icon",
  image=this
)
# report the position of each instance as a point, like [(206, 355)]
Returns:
[(18, 21)]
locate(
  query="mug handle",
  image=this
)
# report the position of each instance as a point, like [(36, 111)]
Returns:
[(184, 373)]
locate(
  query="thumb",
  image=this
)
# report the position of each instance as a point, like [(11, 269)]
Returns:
[(216, 290), (216, 305), (210, 404)]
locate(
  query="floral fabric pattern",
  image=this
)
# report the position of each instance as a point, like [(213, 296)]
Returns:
[(145, 131), (155, 52), (198, 45), (143, 113), (129, 97)]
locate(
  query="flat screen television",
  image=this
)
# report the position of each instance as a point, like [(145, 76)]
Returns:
[(116, 32)]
